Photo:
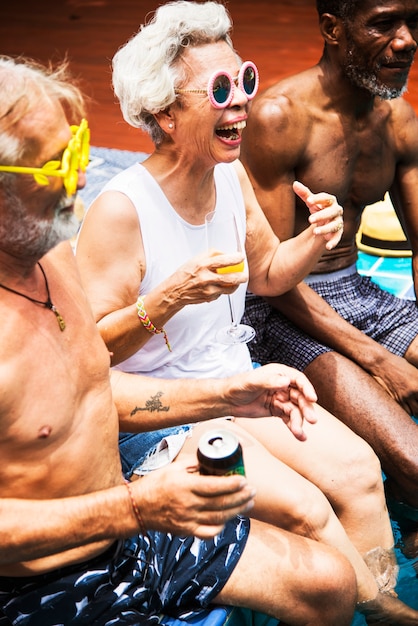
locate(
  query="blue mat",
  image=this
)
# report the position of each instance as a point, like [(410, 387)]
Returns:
[(104, 164), (392, 274)]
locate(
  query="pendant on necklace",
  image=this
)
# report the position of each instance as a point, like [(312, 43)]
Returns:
[(47, 304), (59, 317)]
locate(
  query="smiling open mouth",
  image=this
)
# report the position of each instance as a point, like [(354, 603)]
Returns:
[(231, 131)]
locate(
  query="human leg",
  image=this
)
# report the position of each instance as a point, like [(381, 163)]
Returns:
[(344, 388), (341, 465), (346, 470), (411, 355), (304, 583), (392, 322), (290, 501), (277, 339), (367, 409)]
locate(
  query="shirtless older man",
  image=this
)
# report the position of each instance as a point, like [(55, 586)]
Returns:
[(342, 125), (73, 547)]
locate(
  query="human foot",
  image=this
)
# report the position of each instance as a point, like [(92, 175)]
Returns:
[(388, 609)]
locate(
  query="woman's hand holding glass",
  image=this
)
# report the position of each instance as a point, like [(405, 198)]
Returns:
[(222, 235), (200, 280)]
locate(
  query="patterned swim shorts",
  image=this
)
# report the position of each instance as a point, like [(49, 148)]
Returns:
[(131, 583), (389, 320)]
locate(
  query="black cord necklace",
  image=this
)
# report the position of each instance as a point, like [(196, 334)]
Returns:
[(47, 304)]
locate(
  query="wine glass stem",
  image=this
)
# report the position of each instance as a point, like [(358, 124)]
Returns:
[(234, 323)]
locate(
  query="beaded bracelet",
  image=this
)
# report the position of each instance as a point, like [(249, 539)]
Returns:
[(135, 508), (146, 322)]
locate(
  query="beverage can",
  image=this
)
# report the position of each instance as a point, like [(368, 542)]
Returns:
[(219, 452)]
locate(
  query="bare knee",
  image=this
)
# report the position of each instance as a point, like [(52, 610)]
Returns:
[(361, 476), (335, 592), (308, 513), (304, 582), (327, 595), (366, 470)]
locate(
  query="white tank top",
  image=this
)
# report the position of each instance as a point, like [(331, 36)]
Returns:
[(169, 241)]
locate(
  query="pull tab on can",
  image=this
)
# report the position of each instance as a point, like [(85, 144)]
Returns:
[(220, 453)]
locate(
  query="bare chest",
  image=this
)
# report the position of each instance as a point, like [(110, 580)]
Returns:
[(53, 387), (356, 163)]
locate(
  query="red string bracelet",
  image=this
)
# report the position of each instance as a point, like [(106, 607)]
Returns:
[(135, 509)]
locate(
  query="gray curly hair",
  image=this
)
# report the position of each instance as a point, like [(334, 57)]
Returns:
[(145, 72)]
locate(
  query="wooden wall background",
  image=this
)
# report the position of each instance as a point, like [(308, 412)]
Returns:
[(280, 36)]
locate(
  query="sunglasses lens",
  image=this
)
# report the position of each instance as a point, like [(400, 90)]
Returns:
[(249, 81), (221, 89)]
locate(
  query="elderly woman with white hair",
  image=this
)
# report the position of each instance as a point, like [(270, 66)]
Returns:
[(158, 293)]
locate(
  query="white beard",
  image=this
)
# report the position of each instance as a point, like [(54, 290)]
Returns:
[(369, 82), (362, 75), (26, 236)]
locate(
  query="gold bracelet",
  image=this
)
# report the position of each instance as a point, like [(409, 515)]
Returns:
[(135, 509), (146, 322)]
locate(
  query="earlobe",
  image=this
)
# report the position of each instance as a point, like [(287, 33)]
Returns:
[(330, 28), (165, 120)]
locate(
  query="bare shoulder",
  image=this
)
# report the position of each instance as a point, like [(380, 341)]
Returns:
[(109, 251), (273, 107), (402, 109), (61, 261), (39, 324), (111, 208), (287, 102), (279, 121), (404, 123)]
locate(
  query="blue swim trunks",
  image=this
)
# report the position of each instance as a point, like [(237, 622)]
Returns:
[(131, 583)]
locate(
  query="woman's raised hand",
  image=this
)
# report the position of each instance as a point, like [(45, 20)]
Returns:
[(326, 213)]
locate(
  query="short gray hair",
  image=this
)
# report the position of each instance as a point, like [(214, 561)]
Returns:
[(22, 80), (145, 73)]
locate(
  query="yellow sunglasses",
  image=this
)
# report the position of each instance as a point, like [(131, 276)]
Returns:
[(74, 158)]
